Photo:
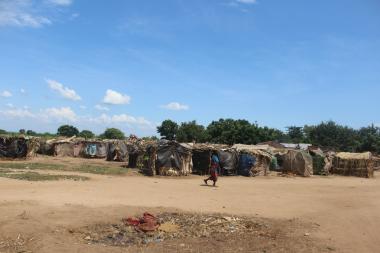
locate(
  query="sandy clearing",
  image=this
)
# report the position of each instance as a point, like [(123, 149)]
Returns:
[(347, 209)]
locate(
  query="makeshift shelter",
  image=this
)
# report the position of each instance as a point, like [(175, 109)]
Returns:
[(272, 144), (170, 158), (117, 151), (297, 162), (253, 161), (228, 160), (13, 147), (319, 161), (353, 164), (78, 149), (376, 163), (46, 147), (63, 148), (301, 146), (202, 153), (93, 149)]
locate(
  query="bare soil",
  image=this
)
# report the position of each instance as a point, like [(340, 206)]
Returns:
[(318, 214)]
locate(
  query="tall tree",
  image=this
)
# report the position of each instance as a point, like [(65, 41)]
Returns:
[(295, 134), (229, 131), (87, 134), (113, 133), (369, 139), (168, 129), (31, 133), (191, 131), (67, 130)]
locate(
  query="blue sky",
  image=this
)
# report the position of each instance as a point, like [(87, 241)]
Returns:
[(133, 63)]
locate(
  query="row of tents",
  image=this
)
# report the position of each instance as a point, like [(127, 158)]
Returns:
[(170, 158)]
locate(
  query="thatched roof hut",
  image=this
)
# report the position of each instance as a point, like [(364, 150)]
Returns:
[(297, 162), (254, 160), (353, 164), (18, 147)]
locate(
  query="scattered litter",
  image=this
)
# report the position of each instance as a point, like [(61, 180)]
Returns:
[(155, 229)]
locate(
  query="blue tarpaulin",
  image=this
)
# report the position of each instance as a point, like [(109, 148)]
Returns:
[(246, 162), (91, 149)]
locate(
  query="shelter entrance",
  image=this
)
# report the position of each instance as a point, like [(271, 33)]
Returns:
[(132, 160), (201, 162)]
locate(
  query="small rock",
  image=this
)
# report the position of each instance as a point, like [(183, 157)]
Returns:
[(87, 238), (182, 245), (307, 234)]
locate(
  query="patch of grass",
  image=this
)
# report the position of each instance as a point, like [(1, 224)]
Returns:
[(34, 176), (102, 170), (33, 166), (85, 168), (5, 170)]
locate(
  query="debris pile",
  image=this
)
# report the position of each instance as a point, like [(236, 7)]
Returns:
[(166, 226)]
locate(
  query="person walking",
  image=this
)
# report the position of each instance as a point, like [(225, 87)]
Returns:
[(215, 167)]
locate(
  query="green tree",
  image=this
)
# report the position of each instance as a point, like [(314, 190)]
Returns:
[(295, 134), (229, 131), (113, 133), (329, 134), (369, 139), (87, 134), (68, 131), (150, 138), (168, 129), (3, 131), (31, 133), (21, 131), (191, 131)]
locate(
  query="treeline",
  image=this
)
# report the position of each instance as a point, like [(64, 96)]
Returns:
[(69, 131), (228, 131)]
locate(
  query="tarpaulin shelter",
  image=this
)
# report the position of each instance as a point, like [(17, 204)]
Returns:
[(94, 149), (63, 148), (18, 147), (353, 164), (170, 158), (253, 160), (117, 151), (202, 153), (228, 160), (298, 162)]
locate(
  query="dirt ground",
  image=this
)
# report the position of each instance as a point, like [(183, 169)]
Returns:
[(318, 214)]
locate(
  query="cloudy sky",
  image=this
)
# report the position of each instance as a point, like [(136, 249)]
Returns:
[(133, 63)]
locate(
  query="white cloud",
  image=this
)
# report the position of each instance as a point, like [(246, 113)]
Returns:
[(17, 113), (5, 94), (21, 13), (10, 105), (175, 106), (101, 108), (29, 13), (246, 1), (61, 2), (121, 119), (64, 91), (23, 91), (116, 98), (61, 114)]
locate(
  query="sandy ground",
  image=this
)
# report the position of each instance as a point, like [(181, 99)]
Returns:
[(346, 210)]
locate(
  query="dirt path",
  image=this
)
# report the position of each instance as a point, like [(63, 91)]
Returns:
[(346, 210)]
